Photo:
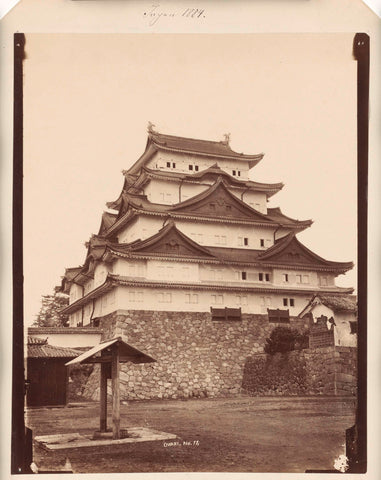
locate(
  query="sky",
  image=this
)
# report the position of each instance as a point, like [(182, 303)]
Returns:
[(88, 99)]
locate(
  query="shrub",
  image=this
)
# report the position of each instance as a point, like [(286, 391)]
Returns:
[(284, 339)]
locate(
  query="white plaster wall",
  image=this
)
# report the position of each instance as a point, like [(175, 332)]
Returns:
[(234, 274), (182, 161), (130, 268), (143, 227), (191, 190), (256, 200), (343, 335), (100, 274), (326, 279), (172, 271), (197, 300), (88, 286), (163, 192), (170, 192), (75, 318), (212, 234), (342, 329), (296, 278), (75, 292)]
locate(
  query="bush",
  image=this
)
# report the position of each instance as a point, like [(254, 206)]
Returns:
[(284, 339)]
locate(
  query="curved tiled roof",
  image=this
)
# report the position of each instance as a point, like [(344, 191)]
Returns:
[(278, 216), (134, 204), (157, 141), (214, 171), (205, 147), (36, 350), (291, 245), (337, 303)]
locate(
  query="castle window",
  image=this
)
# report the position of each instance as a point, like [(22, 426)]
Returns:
[(278, 315), (190, 167), (262, 242), (285, 277), (244, 275), (298, 279), (241, 299), (306, 279), (264, 276), (191, 298), (234, 173), (226, 314), (220, 239), (135, 297), (265, 301), (196, 168), (164, 297), (238, 173), (246, 241), (324, 281), (353, 326), (217, 299), (288, 301), (168, 164), (173, 165)]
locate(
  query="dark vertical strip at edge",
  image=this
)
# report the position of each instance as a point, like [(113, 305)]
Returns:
[(18, 444), (361, 45)]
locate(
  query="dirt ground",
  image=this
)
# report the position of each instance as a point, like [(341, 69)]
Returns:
[(240, 434)]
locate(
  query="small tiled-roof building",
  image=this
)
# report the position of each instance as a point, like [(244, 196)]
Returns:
[(46, 372), (338, 314)]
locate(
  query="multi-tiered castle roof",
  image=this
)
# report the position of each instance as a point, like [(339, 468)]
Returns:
[(190, 230)]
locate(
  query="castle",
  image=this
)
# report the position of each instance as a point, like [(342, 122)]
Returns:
[(192, 267)]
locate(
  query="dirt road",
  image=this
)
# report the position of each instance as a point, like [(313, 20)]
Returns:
[(240, 434)]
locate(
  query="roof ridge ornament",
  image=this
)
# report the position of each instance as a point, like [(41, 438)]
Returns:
[(226, 140), (150, 127)]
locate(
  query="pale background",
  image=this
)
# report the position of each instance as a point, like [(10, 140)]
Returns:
[(88, 98), (36, 16)]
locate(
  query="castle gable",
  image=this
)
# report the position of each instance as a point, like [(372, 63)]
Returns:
[(170, 241), (217, 201), (289, 251)]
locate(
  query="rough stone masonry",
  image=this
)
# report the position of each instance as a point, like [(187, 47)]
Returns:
[(196, 356)]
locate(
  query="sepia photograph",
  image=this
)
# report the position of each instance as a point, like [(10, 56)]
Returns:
[(190, 226)]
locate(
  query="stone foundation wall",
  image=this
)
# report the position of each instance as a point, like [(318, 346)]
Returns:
[(196, 356), (314, 371)]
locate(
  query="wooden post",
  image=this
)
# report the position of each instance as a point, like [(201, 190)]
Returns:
[(115, 367), (103, 398)]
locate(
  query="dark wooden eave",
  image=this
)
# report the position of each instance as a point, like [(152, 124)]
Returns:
[(101, 353)]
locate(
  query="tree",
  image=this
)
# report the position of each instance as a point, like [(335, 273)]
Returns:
[(284, 339), (49, 314)]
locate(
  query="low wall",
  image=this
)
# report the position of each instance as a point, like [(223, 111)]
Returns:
[(195, 355), (314, 371)]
